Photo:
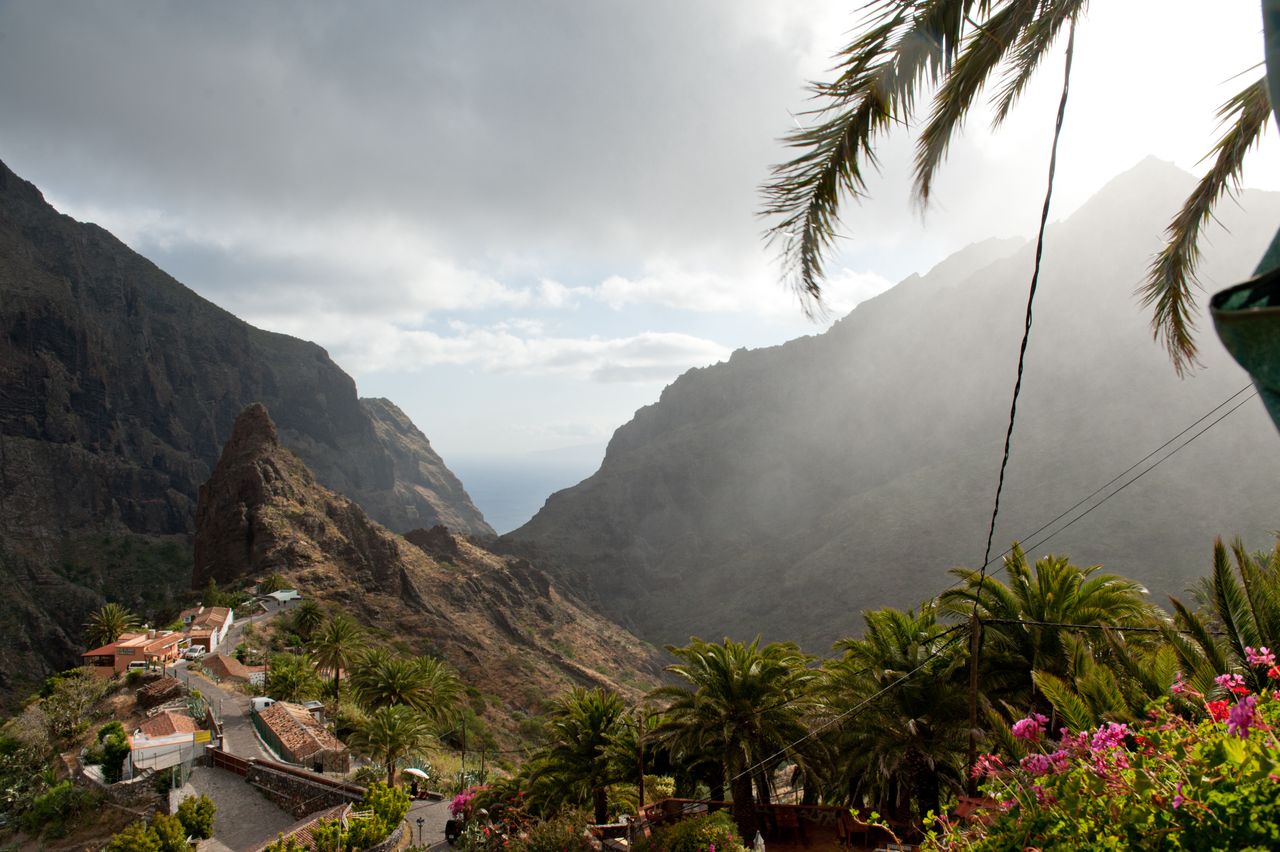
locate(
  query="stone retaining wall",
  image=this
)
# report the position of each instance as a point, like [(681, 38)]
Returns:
[(296, 795)]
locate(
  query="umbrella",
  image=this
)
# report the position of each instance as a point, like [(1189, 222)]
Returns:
[(418, 773)]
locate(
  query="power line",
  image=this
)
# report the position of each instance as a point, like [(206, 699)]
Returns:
[(835, 719), (1119, 628), (1182, 446)]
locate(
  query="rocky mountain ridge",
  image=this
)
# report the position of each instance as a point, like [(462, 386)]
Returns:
[(118, 388), (510, 629), (786, 490)]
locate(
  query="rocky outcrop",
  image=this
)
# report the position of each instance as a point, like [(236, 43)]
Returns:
[(790, 488), (506, 626), (118, 388)]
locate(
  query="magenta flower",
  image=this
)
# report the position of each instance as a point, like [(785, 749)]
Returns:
[(1242, 717), (1233, 683), (1261, 657), (1060, 760), (1109, 736), (1037, 764), (1030, 728), (1178, 800)]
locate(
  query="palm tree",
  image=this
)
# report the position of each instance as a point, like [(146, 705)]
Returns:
[(307, 618), (108, 623), (1241, 609), (337, 646), (899, 693), (1053, 592), (292, 677), (382, 679), (960, 46), (745, 702), (390, 734), (577, 761)]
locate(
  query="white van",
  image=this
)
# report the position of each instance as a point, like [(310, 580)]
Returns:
[(257, 705), (137, 666)]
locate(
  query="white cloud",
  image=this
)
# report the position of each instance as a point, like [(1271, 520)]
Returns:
[(514, 346)]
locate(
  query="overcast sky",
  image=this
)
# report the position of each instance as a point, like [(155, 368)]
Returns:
[(520, 220)]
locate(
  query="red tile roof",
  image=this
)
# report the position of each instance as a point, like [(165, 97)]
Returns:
[(168, 722), (298, 731), (222, 666)]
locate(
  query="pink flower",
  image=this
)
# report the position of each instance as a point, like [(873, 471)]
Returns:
[(1233, 683), (1242, 717), (1109, 736), (1060, 760), (1178, 686), (1260, 657), (1037, 764), (988, 764), (1030, 728), (1178, 800)]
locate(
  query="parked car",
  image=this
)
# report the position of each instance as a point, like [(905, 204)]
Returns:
[(137, 666), (195, 652)]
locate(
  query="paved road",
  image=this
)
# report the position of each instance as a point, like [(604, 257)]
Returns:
[(434, 815), (245, 818)]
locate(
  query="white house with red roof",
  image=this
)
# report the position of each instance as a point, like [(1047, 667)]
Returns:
[(207, 626), (167, 739)]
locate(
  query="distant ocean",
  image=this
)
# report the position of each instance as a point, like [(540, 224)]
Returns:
[(509, 491)]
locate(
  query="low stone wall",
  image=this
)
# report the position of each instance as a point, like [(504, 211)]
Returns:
[(138, 792), (299, 796)]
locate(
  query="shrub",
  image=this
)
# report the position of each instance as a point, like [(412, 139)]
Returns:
[(1169, 783), (282, 844), (135, 837), (170, 833), (52, 811), (115, 748), (196, 814), (133, 678), (113, 727), (696, 835), (564, 833)]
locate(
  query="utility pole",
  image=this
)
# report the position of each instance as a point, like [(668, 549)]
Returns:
[(640, 753), (463, 768), (975, 644)]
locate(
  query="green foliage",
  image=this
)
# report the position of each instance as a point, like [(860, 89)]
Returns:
[(292, 677), (337, 646), (696, 834), (196, 814), (1168, 784), (390, 734), (272, 583), (115, 748), (133, 678), (59, 807), (382, 679), (108, 623), (112, 728), (135, 837), (307, 619), (290, 844), (70, 703), (170, 832), (563, 833)]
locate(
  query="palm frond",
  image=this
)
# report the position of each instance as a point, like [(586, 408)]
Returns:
[(1034, 43), (1070, 707), (1171, 277), (906, 45), (984, 49)]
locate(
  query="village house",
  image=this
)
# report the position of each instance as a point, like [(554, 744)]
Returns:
[(153, 649), (297, 737), (207, 626), (167, 739), (224, 667)]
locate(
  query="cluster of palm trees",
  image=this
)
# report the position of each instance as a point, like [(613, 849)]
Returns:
[(397, 704), (885, 725)]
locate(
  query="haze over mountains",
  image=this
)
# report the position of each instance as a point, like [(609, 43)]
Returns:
[(788, 489)]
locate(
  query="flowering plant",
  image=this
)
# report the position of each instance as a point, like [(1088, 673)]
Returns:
[(1168, 782)]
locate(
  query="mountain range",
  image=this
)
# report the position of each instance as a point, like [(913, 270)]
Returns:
[(118, 389), (784, 491)]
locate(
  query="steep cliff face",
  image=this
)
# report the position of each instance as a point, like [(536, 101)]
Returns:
[(118, 387), (505, 625), (788, 489)]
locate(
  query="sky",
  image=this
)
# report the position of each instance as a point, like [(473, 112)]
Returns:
[(520, 221)]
